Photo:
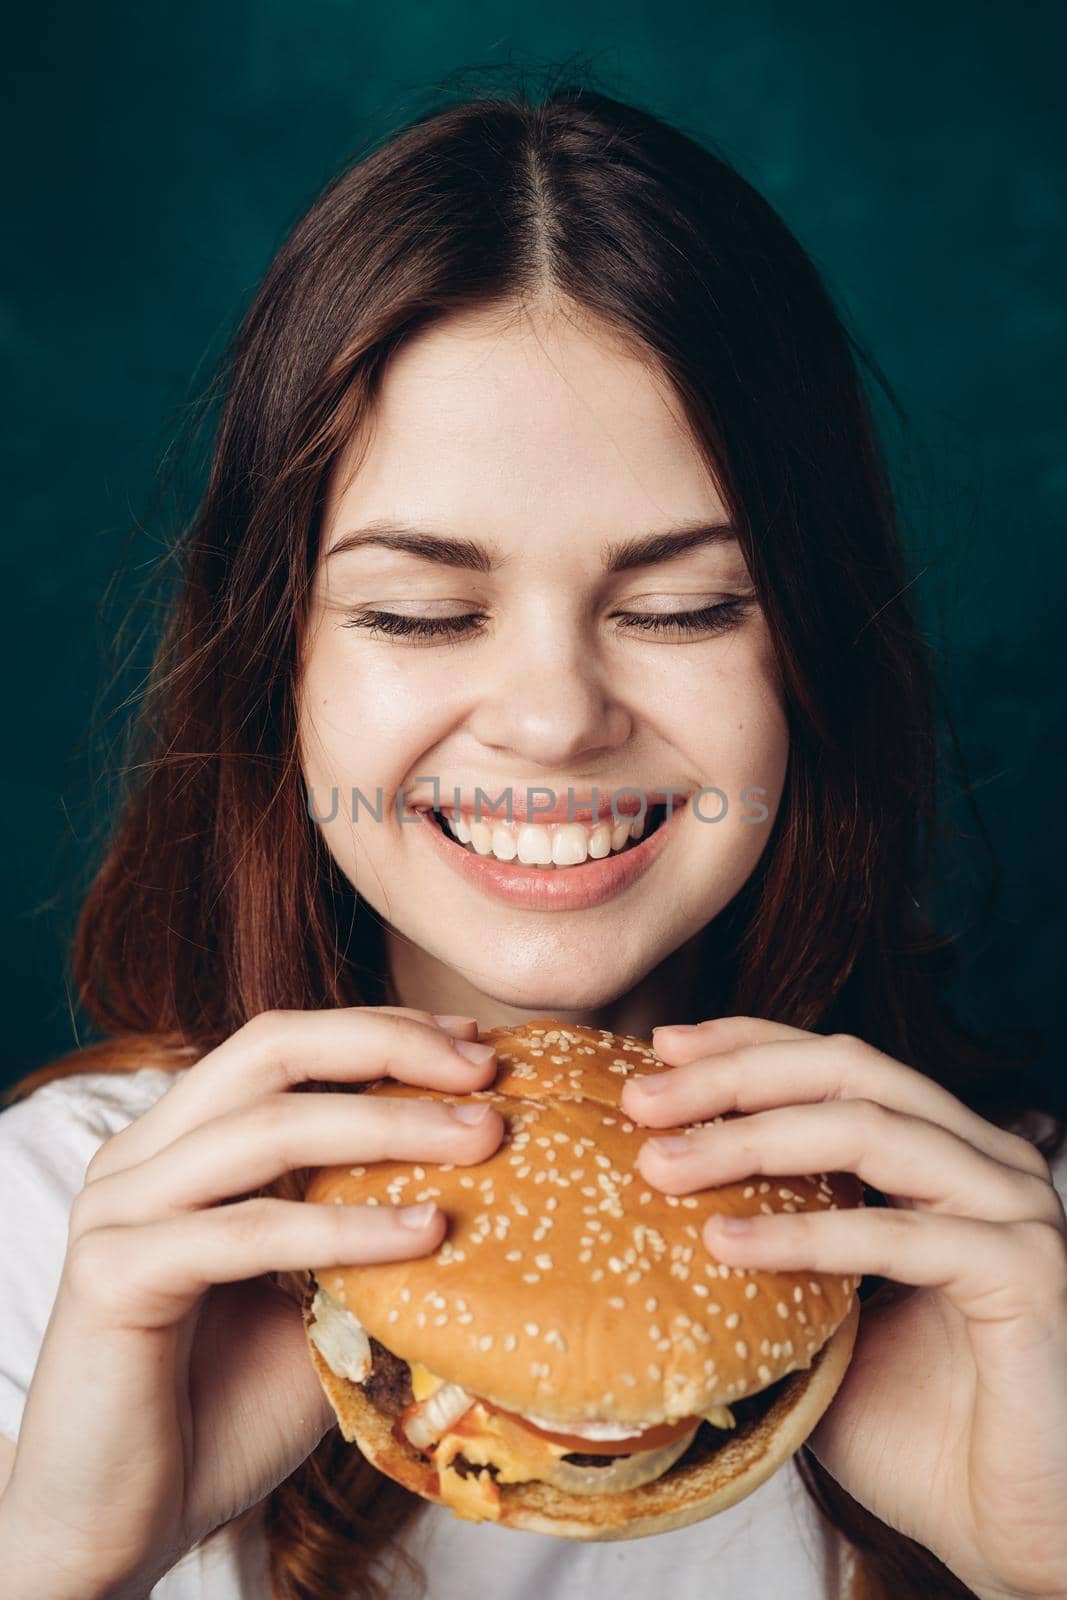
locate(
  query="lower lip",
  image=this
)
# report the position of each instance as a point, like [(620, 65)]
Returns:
[(553, 888)]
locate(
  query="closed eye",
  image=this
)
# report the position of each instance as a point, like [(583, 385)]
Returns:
[(709, 619)]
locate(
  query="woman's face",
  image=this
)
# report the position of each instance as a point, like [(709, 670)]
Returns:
[(549, 447)]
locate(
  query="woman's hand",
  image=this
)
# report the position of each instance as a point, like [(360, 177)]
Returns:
[(951, 1422), (173, 1388)]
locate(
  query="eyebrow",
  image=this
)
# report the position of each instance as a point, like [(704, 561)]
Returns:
[(643, 550)]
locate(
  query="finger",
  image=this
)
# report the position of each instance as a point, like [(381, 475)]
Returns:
[(240, 1151), (991, 1271), (900, 1155), (817, 1068), (683, 1042), (151, 1275), (278, 1050)]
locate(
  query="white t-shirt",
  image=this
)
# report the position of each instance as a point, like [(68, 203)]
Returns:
[(772, 1542)]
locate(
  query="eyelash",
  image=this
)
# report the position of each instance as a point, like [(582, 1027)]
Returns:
[(713, 619)]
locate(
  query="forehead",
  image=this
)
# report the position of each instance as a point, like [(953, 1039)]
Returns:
[(520, 425)]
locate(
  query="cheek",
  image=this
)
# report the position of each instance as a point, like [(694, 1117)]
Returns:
[(363, 720), (734, 719)]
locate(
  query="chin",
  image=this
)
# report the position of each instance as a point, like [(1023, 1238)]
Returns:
[(571, 1359)]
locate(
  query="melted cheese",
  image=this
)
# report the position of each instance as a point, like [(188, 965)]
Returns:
[(495, 1439), (719, 1417), (423, 1381), (492, 1438)]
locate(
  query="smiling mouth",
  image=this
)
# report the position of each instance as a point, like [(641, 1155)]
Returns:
[(527, 845)]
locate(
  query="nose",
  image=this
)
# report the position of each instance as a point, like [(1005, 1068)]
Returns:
[(547, 699)]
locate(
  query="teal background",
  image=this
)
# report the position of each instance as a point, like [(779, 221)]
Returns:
[(158, 154)]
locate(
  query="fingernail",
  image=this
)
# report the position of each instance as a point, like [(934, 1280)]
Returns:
[(470, 1114), (415, 1216), (672, 1144), (447, 1020), (652, 1083), (478, 1053), (724, 1224), (677, 1027)]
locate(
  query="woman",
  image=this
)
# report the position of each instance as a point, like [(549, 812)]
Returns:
[(544, 462)]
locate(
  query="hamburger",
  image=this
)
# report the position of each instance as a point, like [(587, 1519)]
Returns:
[(572, 1359)]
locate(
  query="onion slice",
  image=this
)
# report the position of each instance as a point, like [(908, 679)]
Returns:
[(427, 1420)]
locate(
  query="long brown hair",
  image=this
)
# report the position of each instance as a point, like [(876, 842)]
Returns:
[(215, 897)]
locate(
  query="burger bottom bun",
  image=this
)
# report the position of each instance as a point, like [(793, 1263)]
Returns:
[(697, 1486)]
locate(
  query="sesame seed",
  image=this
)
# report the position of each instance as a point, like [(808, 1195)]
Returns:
[(531, 1277), (732, 1320), (485, 1342), (393, 1315), (782, 1309), (742, 1349), (651, 1303), (617, 1302), (543, 1261), (654, 1372)]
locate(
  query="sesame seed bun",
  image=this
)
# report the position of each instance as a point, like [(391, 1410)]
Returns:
[(569, 1291)]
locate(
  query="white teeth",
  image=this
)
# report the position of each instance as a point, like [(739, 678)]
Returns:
[(570, 846), (600, 841), (504, 846), (535, 846), (481, 837), (620, 834), (541, 845)]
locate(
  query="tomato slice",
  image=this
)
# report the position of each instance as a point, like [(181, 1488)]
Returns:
[(650, 1439)]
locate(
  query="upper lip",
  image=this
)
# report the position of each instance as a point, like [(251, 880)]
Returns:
[(627, 802)]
